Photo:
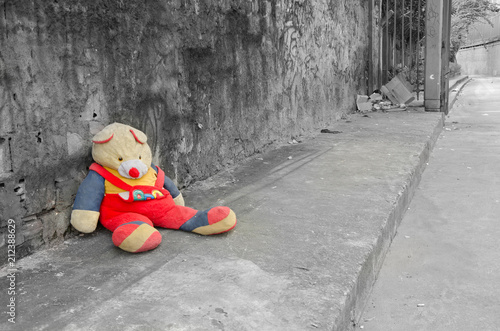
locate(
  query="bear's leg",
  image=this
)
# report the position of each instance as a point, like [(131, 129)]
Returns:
[(133, 232), (211, 221)]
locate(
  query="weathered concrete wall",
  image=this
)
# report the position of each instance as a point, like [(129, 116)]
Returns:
[(480, 60), (210, 82)]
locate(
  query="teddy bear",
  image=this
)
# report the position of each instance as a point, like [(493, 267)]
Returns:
[(131, 196)]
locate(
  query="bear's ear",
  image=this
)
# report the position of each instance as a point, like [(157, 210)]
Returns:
[(139, 136), (103, 137)]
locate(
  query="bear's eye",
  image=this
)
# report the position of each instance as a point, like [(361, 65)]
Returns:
[(120, 158), (140, 157)]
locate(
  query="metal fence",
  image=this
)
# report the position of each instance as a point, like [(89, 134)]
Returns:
[(410, 39), (398, 36)]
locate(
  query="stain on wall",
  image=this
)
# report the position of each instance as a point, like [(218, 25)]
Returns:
[(210, 82)]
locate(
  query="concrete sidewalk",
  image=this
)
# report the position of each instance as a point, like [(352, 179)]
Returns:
[(442, 271), (314, 222)]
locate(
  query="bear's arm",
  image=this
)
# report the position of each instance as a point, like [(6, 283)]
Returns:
[(90, 193), (85, 214), (169, 185)]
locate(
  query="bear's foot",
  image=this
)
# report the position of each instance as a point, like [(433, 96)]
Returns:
[(136, 237), (211, 221)]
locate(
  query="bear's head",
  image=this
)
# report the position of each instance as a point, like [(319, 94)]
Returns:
[(123, 148)]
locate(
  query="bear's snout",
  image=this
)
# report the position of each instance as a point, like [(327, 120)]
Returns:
[(133, 169)]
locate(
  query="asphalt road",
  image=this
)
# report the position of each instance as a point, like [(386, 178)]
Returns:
[(443, 269)]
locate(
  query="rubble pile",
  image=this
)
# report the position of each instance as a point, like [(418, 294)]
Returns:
[(395, 95)]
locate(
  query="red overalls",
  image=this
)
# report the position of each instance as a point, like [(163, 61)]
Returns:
[(151, 204)]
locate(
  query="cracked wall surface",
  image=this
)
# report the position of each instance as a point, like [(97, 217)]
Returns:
[(210, 82)]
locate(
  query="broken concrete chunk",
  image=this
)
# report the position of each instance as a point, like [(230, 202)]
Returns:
[(398, 90), (362, 98), (363, 103), (365, 106), (374, 97), (388, 94)]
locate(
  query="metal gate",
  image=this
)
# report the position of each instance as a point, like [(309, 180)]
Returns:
[(410, 38)]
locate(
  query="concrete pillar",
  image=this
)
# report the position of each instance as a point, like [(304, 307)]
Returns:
[(372, 44), (433, 55), (445, 56)]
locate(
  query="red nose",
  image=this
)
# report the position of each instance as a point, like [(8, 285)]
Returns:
[(134, 173)]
